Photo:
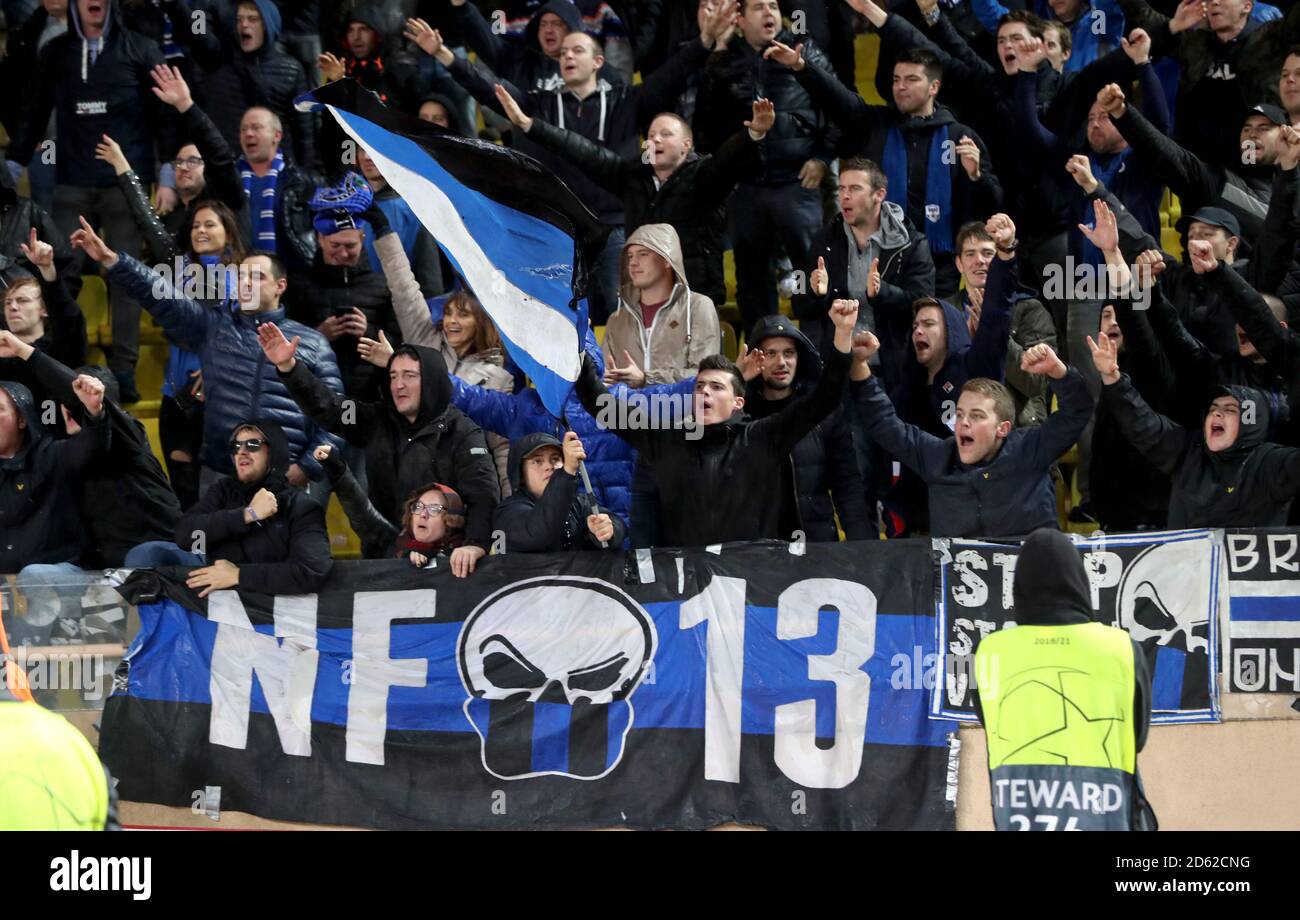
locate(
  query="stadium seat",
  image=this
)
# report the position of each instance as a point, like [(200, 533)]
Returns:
[(730, 347), (93, 301)]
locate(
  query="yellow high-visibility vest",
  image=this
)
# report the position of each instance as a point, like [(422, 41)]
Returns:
[(50, 776), (1058, 716)]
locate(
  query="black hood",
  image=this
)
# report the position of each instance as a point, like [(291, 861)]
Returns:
[(276, 479), (806, 373), (435, 384), (26, 404), (564, 9), (1051, 585), (453, 113), (1250, 436), (377, 17), (520, 449)]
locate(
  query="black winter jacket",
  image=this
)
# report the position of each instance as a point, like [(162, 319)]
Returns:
[(1010, 495), (441, 445), (1128, 491), (715, 485), (906, 273), (314, 296), (112, 96), (39, 522), (693, 199), (125, 499), (287, 553), (826, 478), (555, 522), (1251, 484), (234, 81), (738, 75)]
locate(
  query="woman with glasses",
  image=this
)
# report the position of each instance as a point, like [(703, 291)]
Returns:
[(205, 270), (433, 516)]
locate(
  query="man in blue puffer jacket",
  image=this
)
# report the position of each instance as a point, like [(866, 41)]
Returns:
[(609, 460), (239, 382)]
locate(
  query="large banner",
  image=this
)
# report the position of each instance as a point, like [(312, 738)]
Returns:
[(1161, 587), (766, 684), (1263, 611)]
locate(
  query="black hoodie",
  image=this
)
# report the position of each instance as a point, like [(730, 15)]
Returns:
[(287, 553), (555, 522), (126, 499), (1250, 484), (824, 465), (39, 522), (523, 63), (111, 96), (440, 445)]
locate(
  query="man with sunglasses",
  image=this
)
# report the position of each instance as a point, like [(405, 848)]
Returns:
[(252, 530)]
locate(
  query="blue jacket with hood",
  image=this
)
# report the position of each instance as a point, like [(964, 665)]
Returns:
[(610, 460), (983, 356), (113, 95)]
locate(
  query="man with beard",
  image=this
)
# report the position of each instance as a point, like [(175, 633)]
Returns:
[(410, 437), (258, 532)]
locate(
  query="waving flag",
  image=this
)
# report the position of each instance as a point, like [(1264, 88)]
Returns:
[(517, 235)]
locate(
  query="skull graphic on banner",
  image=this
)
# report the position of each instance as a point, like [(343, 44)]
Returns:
[(550, 665)]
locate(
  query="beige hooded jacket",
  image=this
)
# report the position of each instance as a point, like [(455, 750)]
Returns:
[(684, 331)]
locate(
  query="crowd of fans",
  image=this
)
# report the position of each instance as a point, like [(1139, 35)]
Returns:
[(976, 274)]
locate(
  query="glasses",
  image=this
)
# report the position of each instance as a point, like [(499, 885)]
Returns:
[(252, 445), (188, 163), (420, 508)]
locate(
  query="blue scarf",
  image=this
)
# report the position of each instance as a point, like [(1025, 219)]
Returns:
[(938, 185), (261, 192), (1105, 174)]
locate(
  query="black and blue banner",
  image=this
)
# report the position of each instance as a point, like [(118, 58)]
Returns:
[(1263, 610), (763, 684), (1163, 588)]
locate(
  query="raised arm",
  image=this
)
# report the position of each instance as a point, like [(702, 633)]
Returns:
[(309, 561), (918, 450), (1063, 427), (409, 305), (324, 406), (987, 356), (1160, 440), (1191, 179), (789, 426), (1248, 307)]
